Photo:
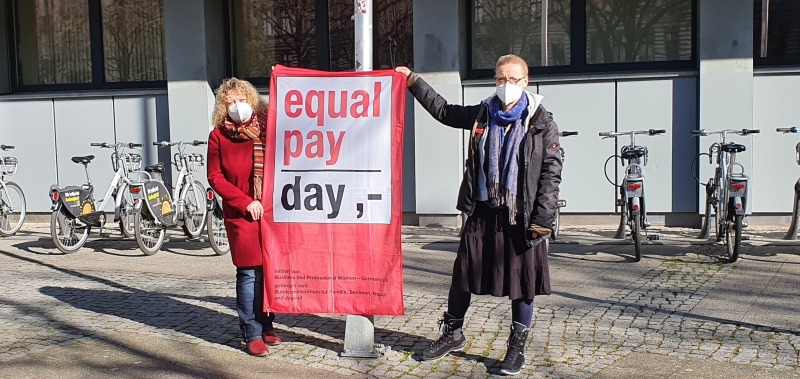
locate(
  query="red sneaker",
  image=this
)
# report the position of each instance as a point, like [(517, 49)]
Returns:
[(257, 348), (270, 338)]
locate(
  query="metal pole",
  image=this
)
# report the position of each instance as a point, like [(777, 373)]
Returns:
[(764, 27), (359, 332), (363, 29), (545, 14)]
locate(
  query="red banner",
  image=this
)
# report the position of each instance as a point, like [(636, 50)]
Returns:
[(332, 192)]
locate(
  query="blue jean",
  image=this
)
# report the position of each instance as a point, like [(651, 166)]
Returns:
[(250, 303)]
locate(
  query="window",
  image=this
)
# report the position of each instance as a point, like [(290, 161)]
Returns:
[(53, 42), (776, 32), (133, 40), (65, 43), (582, 35), (392, 40), (638, 31), (269, 32), (515, 27)]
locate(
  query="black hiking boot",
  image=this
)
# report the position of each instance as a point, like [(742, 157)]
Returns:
[(452, 339), (515, 356)]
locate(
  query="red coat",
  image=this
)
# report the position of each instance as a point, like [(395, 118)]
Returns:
[(230, 173)]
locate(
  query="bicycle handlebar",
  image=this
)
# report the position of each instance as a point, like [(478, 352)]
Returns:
[(567, 134), (651, 132), (742, 132), (6, 147), (787, 130), (168, 143), (99, 144)]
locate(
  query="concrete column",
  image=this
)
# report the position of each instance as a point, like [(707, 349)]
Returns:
[(440, 59), (725, 51), (194, 35)]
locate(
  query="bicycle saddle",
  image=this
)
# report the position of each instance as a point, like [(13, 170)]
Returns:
[(158, 167), (83, 160), (733, 148), (633, 153)]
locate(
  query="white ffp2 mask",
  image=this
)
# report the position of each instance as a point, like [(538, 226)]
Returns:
[(240, 112), (509, 93)]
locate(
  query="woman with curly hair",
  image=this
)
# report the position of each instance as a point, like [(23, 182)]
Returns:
[(235, 172)]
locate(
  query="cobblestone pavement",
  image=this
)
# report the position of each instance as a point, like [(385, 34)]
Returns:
[(678, 302)]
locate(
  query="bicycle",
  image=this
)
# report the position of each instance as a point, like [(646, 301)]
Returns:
[(791, 234), (561, 202), (75, 210), (726, 192), (12, 200), (215, 222), (632, 195), (157, 209)]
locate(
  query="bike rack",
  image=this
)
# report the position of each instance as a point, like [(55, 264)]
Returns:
[(705, 230), (792, 233), (623, 221)]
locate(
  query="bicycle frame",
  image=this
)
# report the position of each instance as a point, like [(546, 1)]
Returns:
[(727, 192), (76, 198), (162, 205), (8, 166)]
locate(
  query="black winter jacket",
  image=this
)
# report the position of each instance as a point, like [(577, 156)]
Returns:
[(541, 161)]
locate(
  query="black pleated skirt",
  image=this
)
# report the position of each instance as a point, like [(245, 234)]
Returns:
[(494, 259)]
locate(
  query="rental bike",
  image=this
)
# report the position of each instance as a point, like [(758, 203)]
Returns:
[(215, 223), (75, 210), (632, 195), (158, 209), (561, 202), (726, 192), (12, 200), (792, 233)]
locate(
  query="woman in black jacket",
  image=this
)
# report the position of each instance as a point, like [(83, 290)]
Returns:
[(509, 191)]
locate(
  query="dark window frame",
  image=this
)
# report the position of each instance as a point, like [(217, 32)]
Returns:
[(96, 53), (578, 53)]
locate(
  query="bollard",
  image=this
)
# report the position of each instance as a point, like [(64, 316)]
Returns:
[(359, 337)]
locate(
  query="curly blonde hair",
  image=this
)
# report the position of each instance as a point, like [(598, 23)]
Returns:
[(242, 87)]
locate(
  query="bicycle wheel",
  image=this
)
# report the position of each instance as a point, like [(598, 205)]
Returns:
[(556, 224), (194, 209), (733, 243), (636, 234), (217, 234), (67, 235), (126, 216), (149, 235), (12, 209)]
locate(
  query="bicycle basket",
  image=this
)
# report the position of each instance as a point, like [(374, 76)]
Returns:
[(197, 161), (8, 165), (132, 162)]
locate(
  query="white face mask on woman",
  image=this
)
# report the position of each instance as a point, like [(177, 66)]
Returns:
[(240, 112), (509, 93)]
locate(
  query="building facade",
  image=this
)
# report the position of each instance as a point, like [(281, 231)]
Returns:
[(74, 72)]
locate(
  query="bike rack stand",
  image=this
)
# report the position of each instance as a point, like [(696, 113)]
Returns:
[(792, 233), (705, 230), (623, 220)]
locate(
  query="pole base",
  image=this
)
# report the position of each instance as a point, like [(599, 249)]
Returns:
[(359, 337)]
